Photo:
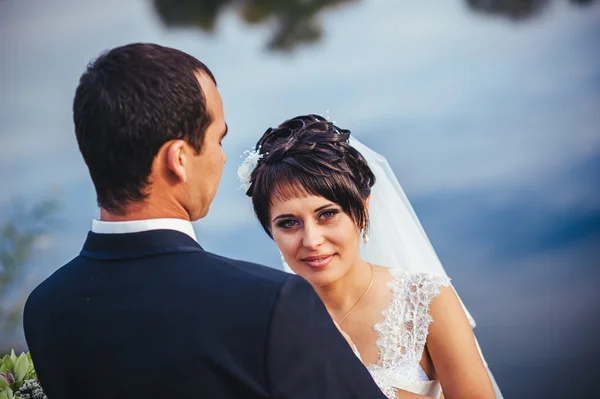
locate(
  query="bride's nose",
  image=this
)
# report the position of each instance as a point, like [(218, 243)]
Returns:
[(312, 237)]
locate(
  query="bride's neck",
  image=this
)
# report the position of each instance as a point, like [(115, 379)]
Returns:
[(342, 294)]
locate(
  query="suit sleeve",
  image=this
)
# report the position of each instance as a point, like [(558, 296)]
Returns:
[(306, 355)]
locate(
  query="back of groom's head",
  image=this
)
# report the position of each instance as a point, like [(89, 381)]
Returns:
[(130, 101)]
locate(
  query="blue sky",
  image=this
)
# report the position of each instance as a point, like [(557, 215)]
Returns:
[(491, 126)]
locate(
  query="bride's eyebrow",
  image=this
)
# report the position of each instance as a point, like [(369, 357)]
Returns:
[(323, 207), (285, 215)]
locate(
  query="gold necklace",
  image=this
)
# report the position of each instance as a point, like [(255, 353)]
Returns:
[(363, 295)]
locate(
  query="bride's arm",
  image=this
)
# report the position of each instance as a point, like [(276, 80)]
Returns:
[(453, 351), (402, 394)]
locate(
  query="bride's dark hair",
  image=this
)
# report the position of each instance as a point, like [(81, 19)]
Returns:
[(308, 155)]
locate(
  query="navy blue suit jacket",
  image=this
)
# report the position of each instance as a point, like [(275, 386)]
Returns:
[(153, 315)]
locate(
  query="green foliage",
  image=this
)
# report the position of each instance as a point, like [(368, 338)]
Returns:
[(14, 373), (517, 10), (18, 236), (22, 229), (295, 22)]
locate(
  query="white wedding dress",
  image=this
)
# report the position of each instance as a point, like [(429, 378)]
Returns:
[(403, 334)]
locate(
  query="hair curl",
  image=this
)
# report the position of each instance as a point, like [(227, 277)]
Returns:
[(308, 155)]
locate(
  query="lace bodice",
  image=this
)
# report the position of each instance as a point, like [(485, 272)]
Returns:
[(403, 334)]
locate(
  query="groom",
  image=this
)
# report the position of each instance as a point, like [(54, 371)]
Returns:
[(143, 311)]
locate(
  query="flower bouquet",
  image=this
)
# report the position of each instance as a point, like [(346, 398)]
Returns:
[(18, 379)]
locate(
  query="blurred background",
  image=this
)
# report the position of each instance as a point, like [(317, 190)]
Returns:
[(487, 110)]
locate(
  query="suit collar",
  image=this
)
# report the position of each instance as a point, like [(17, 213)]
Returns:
[(137, 226), (137, 245)]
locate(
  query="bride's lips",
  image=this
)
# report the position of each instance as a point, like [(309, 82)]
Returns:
[(317, 261)]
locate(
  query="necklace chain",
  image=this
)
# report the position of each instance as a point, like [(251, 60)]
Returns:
[(363, 295)]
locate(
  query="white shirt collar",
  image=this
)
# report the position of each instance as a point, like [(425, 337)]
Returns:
[(136, 226)]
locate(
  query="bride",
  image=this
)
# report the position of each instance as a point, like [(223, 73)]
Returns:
[(341, 220)]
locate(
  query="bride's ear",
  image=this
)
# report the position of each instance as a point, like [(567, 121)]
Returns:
[(367, 201), (177, 159)]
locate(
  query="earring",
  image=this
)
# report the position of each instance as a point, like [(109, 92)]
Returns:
[(365, 237)]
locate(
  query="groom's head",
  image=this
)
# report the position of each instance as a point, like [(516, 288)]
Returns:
[(149, 123)]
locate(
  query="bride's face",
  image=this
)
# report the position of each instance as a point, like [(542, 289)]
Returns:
[(318, 240)]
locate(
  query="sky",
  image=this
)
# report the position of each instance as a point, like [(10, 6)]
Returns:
[(491, 126)]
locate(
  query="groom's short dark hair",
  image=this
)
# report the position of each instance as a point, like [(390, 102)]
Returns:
[(129, 102)]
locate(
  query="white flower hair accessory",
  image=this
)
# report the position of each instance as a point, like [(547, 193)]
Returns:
[(247, 167)]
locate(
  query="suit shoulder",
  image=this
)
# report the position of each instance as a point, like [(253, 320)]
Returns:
[(252, 272), (51, 285)]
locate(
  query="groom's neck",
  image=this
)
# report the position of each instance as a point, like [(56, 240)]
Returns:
[(144, 211)]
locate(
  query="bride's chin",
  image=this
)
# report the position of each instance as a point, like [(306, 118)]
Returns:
[(319, 276), (322, 279)]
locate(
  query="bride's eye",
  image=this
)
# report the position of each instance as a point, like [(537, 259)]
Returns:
[(287, 224), (328, 214)]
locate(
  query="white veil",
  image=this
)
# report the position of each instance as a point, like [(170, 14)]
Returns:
[(396, 237)]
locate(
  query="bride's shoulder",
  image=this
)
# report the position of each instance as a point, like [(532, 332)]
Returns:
[(413, 283), (397, 274)]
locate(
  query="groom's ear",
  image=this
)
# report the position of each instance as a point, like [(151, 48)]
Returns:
[(177, 157)]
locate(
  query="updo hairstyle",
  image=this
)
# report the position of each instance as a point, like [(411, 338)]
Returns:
[(308, 155)]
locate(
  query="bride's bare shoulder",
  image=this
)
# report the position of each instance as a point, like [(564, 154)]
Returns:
[(388, 274), (383, 275)]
